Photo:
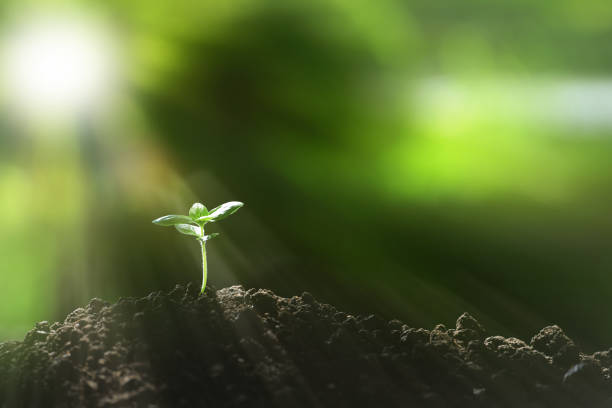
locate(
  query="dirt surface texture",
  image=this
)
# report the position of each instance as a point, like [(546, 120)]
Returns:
[(250, 348)]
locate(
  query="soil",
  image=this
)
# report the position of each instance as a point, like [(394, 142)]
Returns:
[(250, 348)]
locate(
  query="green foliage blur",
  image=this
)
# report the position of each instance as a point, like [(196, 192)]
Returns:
[(413, 158)]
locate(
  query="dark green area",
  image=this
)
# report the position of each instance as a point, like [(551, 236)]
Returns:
[(355, 189)]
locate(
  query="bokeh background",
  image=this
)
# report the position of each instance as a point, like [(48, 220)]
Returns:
[(413, 158)]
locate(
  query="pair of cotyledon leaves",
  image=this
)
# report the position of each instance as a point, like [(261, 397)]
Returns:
[(198, 216)]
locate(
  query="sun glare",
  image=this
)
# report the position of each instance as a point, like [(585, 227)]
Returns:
[(57, 64)]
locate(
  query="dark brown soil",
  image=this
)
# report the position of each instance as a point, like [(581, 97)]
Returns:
[(237, 348)]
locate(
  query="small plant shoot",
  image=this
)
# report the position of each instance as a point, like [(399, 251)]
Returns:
[(193, 224)]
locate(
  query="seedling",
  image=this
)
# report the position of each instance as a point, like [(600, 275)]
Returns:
[(194, 225)]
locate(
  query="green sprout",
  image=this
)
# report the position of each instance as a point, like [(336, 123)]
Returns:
[(194, 225)]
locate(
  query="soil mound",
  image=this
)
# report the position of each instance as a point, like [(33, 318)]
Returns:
[(250, 348)]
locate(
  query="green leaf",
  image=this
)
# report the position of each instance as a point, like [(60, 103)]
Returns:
[(169, 220), (189, 229), (209, 236), (215, 209), (198, 210), (222, 211)]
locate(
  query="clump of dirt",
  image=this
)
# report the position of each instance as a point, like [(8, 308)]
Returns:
[(250, 348)]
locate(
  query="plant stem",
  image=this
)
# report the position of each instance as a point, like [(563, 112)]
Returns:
[(204, 266)]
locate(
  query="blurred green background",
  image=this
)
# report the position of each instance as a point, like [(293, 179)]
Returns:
[(414, 158)]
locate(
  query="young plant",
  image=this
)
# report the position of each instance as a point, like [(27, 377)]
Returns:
[(194, 225)]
